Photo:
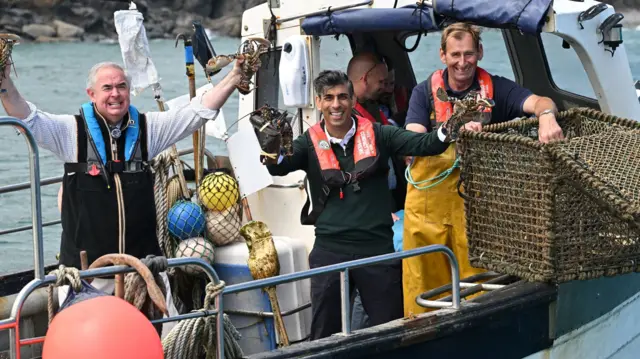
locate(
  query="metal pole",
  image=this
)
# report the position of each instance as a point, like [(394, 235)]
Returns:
[(219, 327), (36, 206), (345, 293), (322, 12)]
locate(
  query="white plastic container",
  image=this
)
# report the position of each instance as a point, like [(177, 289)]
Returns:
[(258, 334), (295, 72)]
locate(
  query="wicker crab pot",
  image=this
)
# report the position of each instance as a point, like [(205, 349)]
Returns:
[(554, 212)]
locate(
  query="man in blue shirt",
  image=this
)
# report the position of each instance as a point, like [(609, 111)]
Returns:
[(435, 214)]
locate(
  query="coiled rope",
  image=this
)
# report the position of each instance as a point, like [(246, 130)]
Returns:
[(64, 276), (196, 338)]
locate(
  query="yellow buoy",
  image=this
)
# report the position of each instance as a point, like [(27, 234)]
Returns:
[(218, 191)]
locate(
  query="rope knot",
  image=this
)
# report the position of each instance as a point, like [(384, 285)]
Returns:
[(156, 264), (212, 291), (67, 276)]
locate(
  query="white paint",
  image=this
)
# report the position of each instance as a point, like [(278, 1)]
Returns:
[(244, 155), (610, 76)]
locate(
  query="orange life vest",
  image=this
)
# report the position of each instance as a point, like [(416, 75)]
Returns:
[(364, 113), (441, 110), (365, 156)]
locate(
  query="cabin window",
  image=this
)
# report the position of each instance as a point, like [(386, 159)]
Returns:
[(425, 59), (268, 88), (335, 53), (567, 72)]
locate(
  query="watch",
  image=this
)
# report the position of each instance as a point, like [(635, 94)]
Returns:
[(545, 112)]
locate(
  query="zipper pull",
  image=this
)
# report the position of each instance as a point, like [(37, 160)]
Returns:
[(341, 194)]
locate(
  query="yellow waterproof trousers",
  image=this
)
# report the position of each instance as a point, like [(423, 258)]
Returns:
[(433, 215)]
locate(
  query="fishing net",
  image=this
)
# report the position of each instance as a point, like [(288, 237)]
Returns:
[(554, 212), (185, 220), (195, 248), (224, 227), (218, 191)]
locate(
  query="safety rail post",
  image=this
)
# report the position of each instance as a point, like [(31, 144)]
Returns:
[(11, 323), (36, 205), (346, 301), (345, 266)]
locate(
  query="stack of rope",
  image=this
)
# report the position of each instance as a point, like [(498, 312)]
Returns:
[(196, 338), (167, 192)]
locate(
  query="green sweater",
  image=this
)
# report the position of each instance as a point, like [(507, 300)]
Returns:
[(360, 223)]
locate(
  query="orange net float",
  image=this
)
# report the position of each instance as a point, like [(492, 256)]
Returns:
[(104, 327)]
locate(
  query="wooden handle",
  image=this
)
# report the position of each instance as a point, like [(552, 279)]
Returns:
[(84, 260)]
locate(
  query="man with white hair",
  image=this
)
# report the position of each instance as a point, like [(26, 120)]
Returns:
[(107, 203)]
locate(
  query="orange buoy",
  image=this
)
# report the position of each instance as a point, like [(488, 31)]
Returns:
[(102, 328)]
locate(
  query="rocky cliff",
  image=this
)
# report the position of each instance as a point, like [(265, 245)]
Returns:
[(90, 20)]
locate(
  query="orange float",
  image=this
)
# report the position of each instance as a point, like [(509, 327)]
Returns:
[(104, 327)]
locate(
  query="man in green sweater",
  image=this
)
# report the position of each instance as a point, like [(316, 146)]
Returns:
[(345, 158)]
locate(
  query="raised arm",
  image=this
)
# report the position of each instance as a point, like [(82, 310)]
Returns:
[(14, 104), (56, 133), (402, 142), (167, 128), (295, 162)]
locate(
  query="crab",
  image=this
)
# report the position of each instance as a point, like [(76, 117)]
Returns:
[(6, 46), (251, 49), (470, 108)]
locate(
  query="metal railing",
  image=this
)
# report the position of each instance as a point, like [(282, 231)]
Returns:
[(344, 268), (11, 324), (34, 185)]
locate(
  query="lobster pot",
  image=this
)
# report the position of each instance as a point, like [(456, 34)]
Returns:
[(258, 334), (554, 212)]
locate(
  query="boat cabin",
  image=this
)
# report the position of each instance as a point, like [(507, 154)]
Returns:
[(569, 50)]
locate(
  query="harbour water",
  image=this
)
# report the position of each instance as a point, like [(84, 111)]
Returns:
[(53, 76)]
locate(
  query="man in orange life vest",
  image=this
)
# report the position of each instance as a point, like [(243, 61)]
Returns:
[(435, 214), (345, 158)]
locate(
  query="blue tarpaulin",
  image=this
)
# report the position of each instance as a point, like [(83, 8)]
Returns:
[(368, 20), (526, 15)]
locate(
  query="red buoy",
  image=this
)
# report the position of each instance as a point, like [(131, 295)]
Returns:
[(104, 327)]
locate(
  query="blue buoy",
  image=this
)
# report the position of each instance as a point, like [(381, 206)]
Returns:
[(185, 220)]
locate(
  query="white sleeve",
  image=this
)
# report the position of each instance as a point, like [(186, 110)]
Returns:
[(441, 136), (166, 128), (56, 133)]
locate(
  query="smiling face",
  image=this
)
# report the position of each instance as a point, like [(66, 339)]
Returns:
[(336, 104), (110, 94), (461, 56)]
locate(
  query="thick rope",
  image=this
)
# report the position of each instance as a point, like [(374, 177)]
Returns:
[(160, 168), (196, 338), (64, 276), (136, 289)]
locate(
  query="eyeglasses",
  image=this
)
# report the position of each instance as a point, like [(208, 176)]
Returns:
[(382, 62)]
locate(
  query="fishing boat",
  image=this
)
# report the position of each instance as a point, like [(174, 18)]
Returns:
[(508, 316)]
